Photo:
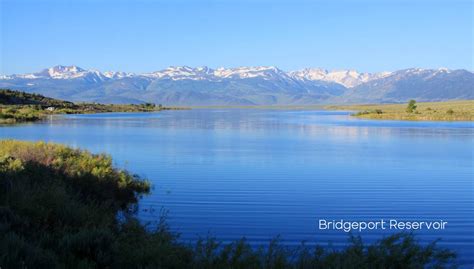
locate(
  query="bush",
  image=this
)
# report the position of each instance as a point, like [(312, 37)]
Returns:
[(411, 107), (367, 112)]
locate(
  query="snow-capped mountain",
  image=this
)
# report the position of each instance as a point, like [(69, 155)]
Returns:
[(265, 85), (206, 73), (265, 72), (117, 75), (415, 83), (62, 72), (348, 78), (182, 72), (66, 72)]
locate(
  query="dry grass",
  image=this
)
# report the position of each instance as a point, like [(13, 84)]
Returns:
[(425, 111)]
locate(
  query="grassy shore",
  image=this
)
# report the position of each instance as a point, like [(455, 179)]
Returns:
[(67, 208), (425, 111), (10, 114), (16, 107)]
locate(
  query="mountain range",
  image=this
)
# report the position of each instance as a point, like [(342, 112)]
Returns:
[(262, 85)]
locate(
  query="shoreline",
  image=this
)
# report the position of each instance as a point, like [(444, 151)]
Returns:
[(451, 111), (21, 107)]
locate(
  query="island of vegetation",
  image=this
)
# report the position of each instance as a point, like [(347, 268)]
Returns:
[(62, 207), (422, 111), (17, 106)]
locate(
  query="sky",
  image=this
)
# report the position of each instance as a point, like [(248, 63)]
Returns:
[(145, 35)]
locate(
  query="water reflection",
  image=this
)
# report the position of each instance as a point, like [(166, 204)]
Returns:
[(259, 173)]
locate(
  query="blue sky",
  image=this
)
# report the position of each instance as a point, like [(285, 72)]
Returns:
[(141, 36)]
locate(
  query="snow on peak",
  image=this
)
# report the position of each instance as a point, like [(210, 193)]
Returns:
[(182, 72), (71, 72), (348, 78), (444, 69), (117, 75), (266, 72), (66, 69), (65, 72), (206, 73)]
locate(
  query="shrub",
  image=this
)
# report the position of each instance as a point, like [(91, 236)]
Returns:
[(367, 112), (411, 107)]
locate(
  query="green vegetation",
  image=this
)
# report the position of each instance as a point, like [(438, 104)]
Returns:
[(13, 114), (370, 111), (67, 208), (411, 106), (18, 106), (428, 111)]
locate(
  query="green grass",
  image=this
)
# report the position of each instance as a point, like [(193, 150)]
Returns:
[(67, 208), (18, 113), (11, 97), (28, 113), (425, 111)]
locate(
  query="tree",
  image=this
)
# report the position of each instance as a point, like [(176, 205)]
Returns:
[(411, 106)]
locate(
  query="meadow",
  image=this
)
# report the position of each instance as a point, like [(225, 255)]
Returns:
[(462, 110)]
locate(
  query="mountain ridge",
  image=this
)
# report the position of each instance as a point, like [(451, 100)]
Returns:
[(204, 72), (254, 85)]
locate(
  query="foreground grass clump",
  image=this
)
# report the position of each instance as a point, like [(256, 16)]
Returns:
[(428, 111), (60, 208)]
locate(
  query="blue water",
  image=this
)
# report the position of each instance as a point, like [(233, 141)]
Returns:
[(261, 173)]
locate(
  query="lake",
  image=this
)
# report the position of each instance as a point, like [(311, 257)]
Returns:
[(260, 173)]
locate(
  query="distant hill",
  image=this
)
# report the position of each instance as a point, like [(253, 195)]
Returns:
[(17, 106), (419, 84), (262, 85), (9, 97)]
